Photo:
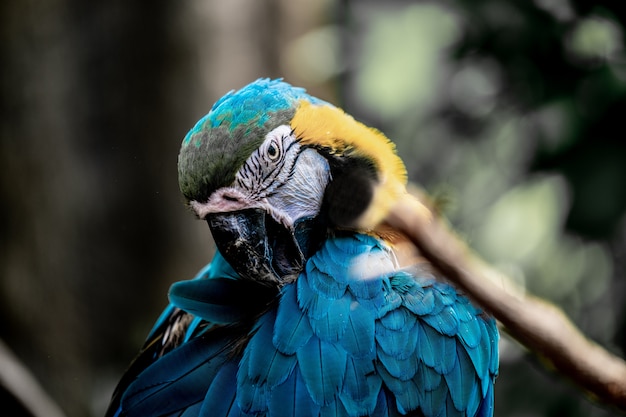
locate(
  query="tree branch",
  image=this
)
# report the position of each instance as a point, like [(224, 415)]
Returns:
[(540, 326)]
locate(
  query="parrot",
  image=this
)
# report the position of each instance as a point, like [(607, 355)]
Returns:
[(308, 306)]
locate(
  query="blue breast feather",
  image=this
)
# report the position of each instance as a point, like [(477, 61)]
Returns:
[(336, 343)]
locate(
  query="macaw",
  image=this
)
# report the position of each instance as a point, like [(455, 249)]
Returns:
[(305, 308)]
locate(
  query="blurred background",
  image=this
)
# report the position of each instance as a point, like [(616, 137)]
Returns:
[(510, 113)]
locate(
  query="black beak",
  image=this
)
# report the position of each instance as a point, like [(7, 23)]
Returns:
[(256, 246)]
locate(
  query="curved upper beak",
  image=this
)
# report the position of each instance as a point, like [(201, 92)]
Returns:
[(256, 246)]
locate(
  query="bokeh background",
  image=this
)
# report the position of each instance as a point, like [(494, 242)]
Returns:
[(510, 113)]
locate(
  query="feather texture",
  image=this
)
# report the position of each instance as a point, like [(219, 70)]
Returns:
[(420, 359), (335, 344), (179, 379)]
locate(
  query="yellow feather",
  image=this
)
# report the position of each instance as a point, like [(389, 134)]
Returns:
[(331, 128)]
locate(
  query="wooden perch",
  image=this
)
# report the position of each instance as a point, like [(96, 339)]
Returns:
[(540, 326)]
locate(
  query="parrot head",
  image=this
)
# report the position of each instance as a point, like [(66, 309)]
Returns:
[(273, 170)]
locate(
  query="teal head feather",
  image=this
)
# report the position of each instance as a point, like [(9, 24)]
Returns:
[(218, 145)]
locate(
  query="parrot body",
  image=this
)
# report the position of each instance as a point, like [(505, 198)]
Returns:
[(305, 309)]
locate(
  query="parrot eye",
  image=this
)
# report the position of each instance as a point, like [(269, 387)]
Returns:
[(272, 151)]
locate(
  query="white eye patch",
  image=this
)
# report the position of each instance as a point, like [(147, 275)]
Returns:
[(270, 164), (283, 177)]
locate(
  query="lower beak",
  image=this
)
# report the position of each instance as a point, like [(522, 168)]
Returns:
[(256, 246)]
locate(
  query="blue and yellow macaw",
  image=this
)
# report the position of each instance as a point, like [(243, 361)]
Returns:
[(305, 309)]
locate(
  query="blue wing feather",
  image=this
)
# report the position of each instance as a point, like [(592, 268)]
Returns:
[(193, 411), (403, 369), (434, 401), (492, 342), (390, 299), (323, 368), (370, 290), (177, 380), (262, 368), (220, 397), (469, 327), (325, 284), (292, 329), (427, 377), (332, 326), (480, 357), (334, 409), (309, 300), (394, 342), (419, 301), (409, 398), (461, 381), (398, 319), (430, 345), (445, 321), (397, 342), (486, 406), (220, 300), (358, 339), (361, 386), (262, 362), (394, 384), (252, 398), (292, 399)]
